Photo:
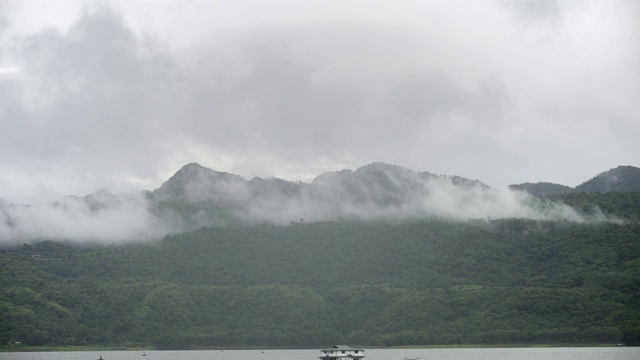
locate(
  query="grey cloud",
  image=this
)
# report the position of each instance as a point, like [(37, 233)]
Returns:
[(97, 96), (102, 103), (308, 91), (101, 217), (296, 93), (421, 96), (4, 23), (536, 11)]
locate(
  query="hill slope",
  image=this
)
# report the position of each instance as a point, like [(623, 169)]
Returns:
[(542, 188), (619, 179), (425, 282)]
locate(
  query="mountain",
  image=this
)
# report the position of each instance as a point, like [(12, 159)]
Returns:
[(385, 184), (194, 182), (619, 179), (198, 196), (101, 200)]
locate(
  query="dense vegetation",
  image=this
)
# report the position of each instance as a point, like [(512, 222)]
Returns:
[(313, 284), (619, 179), (542, 188), (616, 205)]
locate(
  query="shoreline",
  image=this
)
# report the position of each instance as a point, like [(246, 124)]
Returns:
[(44, 348)]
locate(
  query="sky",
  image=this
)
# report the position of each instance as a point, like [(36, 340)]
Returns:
[(121, 94)]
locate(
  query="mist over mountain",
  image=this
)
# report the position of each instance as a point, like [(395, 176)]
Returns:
[(100, 216), (197, 196), (542, 188)]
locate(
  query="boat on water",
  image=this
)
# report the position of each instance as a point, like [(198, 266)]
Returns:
[(341, 352)]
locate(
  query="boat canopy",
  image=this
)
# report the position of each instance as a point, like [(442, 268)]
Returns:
[(340, 352)]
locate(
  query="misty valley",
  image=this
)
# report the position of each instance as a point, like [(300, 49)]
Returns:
[(380, 256)]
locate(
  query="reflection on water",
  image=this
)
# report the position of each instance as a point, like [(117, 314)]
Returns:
[(621, 353)]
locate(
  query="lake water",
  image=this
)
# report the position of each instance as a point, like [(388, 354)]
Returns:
[(608, 353)]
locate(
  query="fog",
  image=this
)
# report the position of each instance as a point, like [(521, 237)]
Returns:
[(101, 217), (197, 196), (406, 197)]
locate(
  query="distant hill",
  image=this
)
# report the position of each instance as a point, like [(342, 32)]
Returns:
[(542, 188), (619, 179)]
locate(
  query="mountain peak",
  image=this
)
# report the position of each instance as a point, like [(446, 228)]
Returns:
[(622, 178), (192, 168), (192, 178)]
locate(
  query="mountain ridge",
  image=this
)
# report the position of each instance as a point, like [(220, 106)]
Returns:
[(623, 178), (622, 175), (197, 196), (201, 196), (374, 190)]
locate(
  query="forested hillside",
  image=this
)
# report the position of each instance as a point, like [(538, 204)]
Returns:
[(619, 179), (542, 188), (311, 284)]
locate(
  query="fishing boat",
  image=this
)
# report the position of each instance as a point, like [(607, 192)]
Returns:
[(341, 352)]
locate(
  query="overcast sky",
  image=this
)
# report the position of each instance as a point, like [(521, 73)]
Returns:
[(121, 94)]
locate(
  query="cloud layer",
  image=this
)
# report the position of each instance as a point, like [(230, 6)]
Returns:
[(197, 196), (113, 219)]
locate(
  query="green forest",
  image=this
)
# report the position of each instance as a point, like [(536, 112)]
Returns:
[(371, 283)]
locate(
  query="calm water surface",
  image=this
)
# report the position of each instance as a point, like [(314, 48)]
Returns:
[(621, 353)]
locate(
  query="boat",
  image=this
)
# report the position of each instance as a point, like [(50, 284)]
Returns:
[(341, 352)]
